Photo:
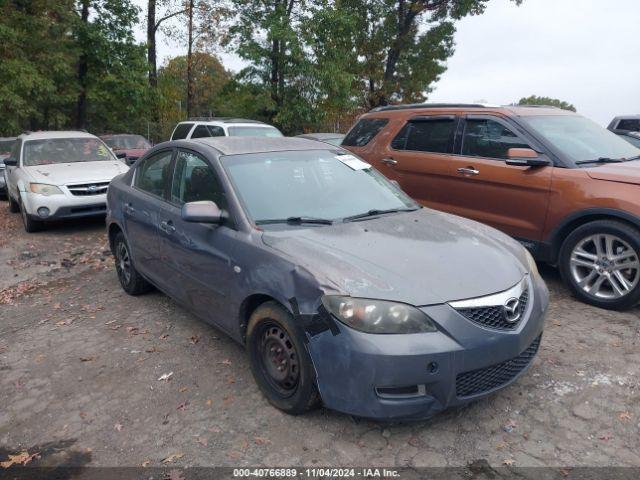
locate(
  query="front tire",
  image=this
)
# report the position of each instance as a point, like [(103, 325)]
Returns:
[(30, 225), (600, 262), (279, 360), (14, 207), (130, 280)]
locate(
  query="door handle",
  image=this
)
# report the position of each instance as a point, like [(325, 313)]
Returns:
[(389, 161), (128, 208), (167, 226), (468, 171)]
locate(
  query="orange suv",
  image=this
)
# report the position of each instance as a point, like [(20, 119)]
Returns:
[(566, 188)]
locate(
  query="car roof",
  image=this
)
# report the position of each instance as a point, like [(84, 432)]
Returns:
[(4, 139), (626, 117), (111, 135), (243, 145), (56, 134), (320, 135)]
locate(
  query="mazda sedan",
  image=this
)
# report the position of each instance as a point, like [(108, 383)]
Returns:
[(342, 289)]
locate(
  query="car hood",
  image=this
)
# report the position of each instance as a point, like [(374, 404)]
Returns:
[(77, 172), (626, 172), (421, 258)]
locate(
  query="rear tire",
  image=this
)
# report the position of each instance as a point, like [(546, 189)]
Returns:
[(30, 225), (600, 263), (130, 280), (280, 363)]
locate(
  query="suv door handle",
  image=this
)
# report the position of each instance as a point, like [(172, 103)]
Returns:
[(389, 161), (167, 226), (468, 171)]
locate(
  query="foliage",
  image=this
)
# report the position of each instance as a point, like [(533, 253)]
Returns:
[(554, 102)]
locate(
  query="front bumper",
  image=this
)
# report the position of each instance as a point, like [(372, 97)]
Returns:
[(64, 206), (416, 376)]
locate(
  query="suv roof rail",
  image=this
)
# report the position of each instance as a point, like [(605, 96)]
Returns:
[(427, 105), (221, 119), (534, 106)]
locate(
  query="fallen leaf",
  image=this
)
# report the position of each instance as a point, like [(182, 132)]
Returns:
[(21, 458), (183, 405), (118, 427), (209, 402), (565, 472), (606, 437), (194, 339), (165, 376), (234, 455), (261, 441), (146, 463), (183, 389), (132, 329), (174, 475), (501, 446), (226, 362), (87, 359), (163, 336), (202, 441), (173, 457), (622, 416), (508, 462)]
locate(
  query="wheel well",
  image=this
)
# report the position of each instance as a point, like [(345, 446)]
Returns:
[(565, 230), (114, 229), (249, 305)]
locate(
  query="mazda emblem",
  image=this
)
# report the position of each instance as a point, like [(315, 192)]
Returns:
[(511, 310)]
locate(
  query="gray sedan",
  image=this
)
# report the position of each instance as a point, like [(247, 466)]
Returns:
[(343, 289)]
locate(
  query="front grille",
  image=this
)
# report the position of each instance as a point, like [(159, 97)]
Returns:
[(88, 189), (488, 378), (493, 316)]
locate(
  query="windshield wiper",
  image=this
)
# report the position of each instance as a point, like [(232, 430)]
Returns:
[(295, 221), (601, 160), (375, 213)]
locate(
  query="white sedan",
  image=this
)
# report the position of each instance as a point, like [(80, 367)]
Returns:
[(59, 175)]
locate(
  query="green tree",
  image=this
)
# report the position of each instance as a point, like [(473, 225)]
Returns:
[(554, 102), (37, 65)]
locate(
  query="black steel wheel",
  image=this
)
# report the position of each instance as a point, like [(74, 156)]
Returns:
[(279, 360)]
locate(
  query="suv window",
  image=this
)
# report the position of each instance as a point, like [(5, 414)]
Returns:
[(194, 181), (202, 131), (489, 139), (181, 131), (426, 136), (629, 124), (364, 131), (153, 174)]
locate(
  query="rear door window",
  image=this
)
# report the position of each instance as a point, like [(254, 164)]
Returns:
[(364, 131), (426, 135), (153, 175), (489, 139), (181, 131), (629, 124), (203, 131)]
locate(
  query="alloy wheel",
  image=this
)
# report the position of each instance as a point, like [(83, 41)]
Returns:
[(123, 263), (605, 266)]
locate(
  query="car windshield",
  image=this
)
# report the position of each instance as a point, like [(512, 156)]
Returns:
[(5, 147), (127, 142), (254, 132), (64, 150), (310, 184), (580, 139)]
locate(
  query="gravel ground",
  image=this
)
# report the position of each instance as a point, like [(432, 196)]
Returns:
[(81, 366)]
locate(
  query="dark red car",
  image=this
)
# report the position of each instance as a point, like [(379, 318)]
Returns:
[(134, 146)]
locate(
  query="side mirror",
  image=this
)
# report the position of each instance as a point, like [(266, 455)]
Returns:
[(11, 162), (121, 155), (525, 157), (202, 212)]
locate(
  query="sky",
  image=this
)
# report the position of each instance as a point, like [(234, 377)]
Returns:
[(585, 52)]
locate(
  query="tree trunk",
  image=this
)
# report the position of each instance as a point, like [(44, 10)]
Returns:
[(190, 62), (151, 44), (83, 68)]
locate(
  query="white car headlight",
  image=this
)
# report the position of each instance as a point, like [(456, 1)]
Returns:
[(378, 316), (44, 189), (533, 268)]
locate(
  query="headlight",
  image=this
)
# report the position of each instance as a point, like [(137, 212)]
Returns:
[(533, 268), (378, 316), (44, 189)]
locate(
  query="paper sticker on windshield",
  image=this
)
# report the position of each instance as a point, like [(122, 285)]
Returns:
[(352, 162)]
